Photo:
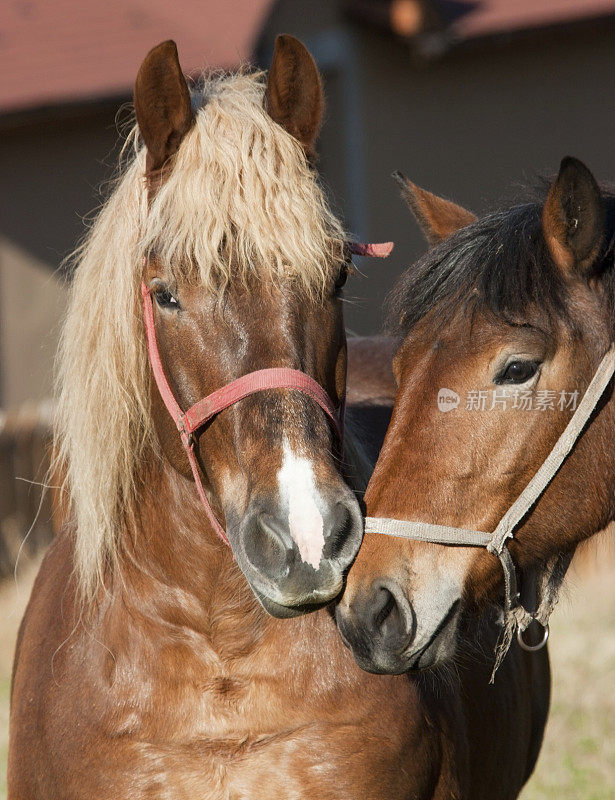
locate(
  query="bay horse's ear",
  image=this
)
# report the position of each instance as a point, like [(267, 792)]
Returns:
[(162, 104), (438, 218), (573, 217), (294, 97)]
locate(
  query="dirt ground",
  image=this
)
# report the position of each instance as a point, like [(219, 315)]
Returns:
[(578, 756)]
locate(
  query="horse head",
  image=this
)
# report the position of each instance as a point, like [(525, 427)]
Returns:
[(503, 324)]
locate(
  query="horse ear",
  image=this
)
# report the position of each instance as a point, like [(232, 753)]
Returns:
[(438, 218), (573, 217), (162, 104), (294, 97)]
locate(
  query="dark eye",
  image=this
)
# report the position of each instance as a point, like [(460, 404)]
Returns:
[(518, 372), (342, 277), (164, 298)]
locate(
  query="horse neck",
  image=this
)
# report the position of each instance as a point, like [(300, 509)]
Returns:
[(178, 583), (174, 570)]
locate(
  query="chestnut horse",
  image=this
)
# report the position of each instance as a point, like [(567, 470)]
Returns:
[(147, 664), (506, 319)]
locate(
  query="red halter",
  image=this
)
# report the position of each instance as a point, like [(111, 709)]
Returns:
[(204, 410)]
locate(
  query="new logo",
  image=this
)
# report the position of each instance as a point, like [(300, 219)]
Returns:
[(448, 400)]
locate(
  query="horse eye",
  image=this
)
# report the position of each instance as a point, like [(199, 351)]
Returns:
[(518, 372), (164, 298), (342, 277)]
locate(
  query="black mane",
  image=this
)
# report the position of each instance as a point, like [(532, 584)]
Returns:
[(500, 264)]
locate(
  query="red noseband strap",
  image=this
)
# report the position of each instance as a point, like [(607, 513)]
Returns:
[(204, 410)]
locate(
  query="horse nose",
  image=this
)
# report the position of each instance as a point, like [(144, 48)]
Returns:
[(266, 547), (388, 616), (385, 616), (300, 561), (343, 526), (378, 625)]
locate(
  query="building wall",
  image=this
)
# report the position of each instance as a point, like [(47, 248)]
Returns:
[(50, 171), (32, 300), (477, 127), (473, 126)]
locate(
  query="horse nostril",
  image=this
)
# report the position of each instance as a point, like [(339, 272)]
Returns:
[(391, 614), (344, 534), (378, 624), (264, 546), (385, 609)]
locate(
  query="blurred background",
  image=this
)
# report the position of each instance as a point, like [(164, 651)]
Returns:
[(470, 98)]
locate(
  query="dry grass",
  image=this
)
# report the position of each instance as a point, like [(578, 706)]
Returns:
[(578, 757)]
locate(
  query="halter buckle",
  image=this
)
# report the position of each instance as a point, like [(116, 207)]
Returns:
[(187, 438)]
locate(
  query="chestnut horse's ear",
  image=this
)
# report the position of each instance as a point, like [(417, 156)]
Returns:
[(437, 217), (294, 97), (162, 104), (573, 217)]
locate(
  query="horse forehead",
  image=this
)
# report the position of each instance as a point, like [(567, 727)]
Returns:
[(417, 358), (465, 341), (269, 311)]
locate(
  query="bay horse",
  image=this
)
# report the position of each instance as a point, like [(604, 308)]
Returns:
[(506, 319), (152, 660)]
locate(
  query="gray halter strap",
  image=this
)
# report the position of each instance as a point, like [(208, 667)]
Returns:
[(516, 617)]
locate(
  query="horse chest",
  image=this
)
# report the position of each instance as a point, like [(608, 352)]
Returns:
[(235, 742), (330, 762), (157, 718)]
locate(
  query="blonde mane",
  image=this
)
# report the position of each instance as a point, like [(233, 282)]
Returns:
[(240, 200)]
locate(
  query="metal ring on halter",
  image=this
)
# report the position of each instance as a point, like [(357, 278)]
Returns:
[(533, 648)]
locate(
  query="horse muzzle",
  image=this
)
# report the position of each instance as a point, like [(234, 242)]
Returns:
[(296, 563), (380, 626)]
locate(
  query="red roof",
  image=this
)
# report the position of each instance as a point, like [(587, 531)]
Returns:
[(55, 51), (464, 20), (489, 17)]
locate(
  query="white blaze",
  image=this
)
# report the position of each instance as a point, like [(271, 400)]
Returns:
[(298, 492)]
